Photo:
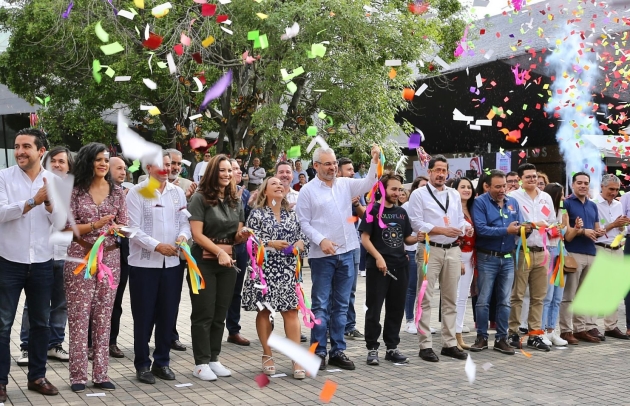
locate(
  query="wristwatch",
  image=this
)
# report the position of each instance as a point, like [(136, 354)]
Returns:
[(31, 202)]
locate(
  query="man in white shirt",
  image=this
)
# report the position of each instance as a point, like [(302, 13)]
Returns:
[(256, 174), (156, 274), (437, 210), (200, 168), (537, 209), (614, 222), (323, 209), (26, 257), (285, 174)]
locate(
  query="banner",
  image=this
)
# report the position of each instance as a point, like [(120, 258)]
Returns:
[(457, 167), (504, 161)]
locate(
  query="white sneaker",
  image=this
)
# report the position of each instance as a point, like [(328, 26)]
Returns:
[(411, 328), (204, 373), (433, 331), (23, 360), (546, 340), (556, 340), (219, 369), (362, 273), (58, 353), (465, 329)]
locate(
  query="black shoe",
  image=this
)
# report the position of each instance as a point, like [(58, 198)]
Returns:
[(341, 360), (177, 346), (502, 345), (322, 366), (163, 373), (523, 330), (303, 338), (396, 356), (372, 357), (537, 343), (77, 387), (145, 376), (454, 352), (104, 385), (428, 355), (515, 341), (480, 344)]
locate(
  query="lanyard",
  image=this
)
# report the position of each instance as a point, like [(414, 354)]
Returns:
[(445, 209)]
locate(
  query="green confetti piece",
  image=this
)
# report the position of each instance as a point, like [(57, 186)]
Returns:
[(524, 106), (135, 166), (312, 131), (100, 32), (321, 115), (161, 64), (263, 41), (112, 48), (317, 50), (253, 35), (294, 152), (96, 67), (292, 87), (110, 72), (619, 172)]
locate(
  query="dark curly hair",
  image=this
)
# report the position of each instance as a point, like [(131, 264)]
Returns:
[(209, 185), (83, 170)]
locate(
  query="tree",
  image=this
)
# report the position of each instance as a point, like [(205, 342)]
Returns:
[(50, 55)]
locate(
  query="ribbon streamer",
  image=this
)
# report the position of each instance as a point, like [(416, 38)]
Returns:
[(94, 262), (196, 279), (372, 194), (423, 287), (307, 315), (257, 260), (523, 242)]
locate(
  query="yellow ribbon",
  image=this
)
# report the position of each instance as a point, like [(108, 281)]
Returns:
[(525, 249)]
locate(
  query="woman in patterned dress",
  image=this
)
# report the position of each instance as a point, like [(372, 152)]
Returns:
[(97, 206), (277, 227)]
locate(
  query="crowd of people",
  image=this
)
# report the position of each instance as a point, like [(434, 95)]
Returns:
[(498, 240)]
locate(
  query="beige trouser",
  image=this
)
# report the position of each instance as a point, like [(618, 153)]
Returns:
[(572, 322), (445, 265), (610, 321), (534, 276)]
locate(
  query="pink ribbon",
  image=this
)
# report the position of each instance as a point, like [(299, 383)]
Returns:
[(423, 289), (368, 211), (104, 270), (307, 314), (543, 233), (257, 272)]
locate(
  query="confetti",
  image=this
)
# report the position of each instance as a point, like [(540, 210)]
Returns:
[(328, 391)]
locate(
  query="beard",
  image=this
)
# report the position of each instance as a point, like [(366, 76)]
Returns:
[(391, 200)]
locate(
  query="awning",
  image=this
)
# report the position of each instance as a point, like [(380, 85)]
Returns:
[(11, 103)]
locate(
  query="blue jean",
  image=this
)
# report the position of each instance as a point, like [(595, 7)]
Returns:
[(411, 289), (37, 282), (58, 312), (500, 272), (332, 278), (234, 311), (551, 304)]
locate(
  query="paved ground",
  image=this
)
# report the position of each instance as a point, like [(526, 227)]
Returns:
[(586, 374)]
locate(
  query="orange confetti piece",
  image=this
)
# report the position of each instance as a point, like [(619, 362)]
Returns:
[(353, 219), (313, 347), (328, 391), (392, 73)]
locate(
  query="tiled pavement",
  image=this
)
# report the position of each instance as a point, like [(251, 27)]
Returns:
[(586, 374)]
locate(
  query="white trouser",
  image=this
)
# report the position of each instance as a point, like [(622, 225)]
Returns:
[(463, 289)]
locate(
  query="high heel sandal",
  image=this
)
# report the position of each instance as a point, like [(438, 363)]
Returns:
[(268, 369), (298, 373)]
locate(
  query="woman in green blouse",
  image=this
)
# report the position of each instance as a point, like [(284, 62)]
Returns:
[(216, 223)]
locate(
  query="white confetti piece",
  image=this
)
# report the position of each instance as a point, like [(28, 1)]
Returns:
[(278, 375), (478, 79), (333, 370), (183, 385), (441, 62), (475, 127), (186, 162), (150, 84), (126, 14), (95, 394), (393, 62), (421, 89), (471, 369), (487, 366), (488, 54), (228, 31), (484, 122), (195, 116), (310, 362), (122, 78), (171, 63)]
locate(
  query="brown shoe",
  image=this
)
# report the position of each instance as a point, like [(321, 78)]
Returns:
[(585, 336), (115, 352), (238, 339), (596, 333), (3, 393), (43, 386), (616, 333), (480, 344), (568, 337)]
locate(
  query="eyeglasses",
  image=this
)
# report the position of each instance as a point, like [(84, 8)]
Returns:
[(439, 170), (327, 164), (513, 182)]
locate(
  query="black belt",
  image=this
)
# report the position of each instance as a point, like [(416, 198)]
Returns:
[(445, 246), (535, 249), (493, 253), (608, 246)]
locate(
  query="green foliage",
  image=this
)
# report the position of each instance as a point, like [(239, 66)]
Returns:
[(52, 56)]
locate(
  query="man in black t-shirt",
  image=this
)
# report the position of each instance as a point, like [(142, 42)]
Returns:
[(387, 271)]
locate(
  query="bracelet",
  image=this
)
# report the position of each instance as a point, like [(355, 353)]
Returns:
[(92, 226), (220, 252)]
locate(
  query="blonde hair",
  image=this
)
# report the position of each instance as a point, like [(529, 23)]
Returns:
[(261, 199)]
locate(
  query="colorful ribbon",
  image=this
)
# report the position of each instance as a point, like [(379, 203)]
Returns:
[(257, 260), (615, 243), (372, 195), (423, 287), (557, 277), (196, 279), (307, 315), (94, 262)]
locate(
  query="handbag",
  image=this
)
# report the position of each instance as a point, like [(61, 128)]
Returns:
[(570, 264), (211, 256)]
